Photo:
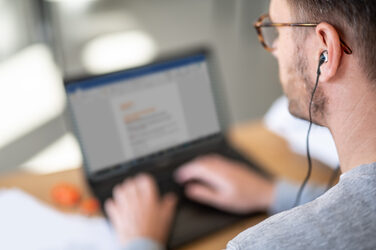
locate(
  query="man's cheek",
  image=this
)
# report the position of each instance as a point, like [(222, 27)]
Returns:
[(283, 78)]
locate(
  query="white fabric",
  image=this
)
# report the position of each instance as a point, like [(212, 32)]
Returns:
[(26, 223)]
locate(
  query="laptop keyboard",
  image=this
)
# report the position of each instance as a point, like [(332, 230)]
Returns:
[(167, 184), (164, 175)]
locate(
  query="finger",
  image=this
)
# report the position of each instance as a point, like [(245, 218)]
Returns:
[(190, 170), (129, 188), (147, 187), (118, 194), (113, 213), (203, 194), (168, 204), (123, 194), (202, 170)]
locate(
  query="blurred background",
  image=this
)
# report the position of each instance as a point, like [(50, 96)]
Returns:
[(42, 41)]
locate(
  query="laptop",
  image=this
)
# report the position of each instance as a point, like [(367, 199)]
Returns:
[(153, 119)]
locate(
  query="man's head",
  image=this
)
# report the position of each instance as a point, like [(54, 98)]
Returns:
[(298, 50)]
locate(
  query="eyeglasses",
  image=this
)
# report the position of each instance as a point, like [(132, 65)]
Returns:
[(267, 32)]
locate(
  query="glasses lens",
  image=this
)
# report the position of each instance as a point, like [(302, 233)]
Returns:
[(270, 35)]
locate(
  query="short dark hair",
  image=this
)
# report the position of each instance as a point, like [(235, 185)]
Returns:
[(355, 20)]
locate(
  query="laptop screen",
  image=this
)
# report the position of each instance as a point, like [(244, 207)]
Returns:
[(131, 114)]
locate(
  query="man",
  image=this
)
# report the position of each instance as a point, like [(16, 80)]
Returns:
[(345, 102)]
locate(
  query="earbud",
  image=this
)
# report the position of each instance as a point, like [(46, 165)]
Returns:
[(323, 58)]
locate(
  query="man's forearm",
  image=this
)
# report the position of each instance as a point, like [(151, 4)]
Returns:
[(286, 193), (143, 244)]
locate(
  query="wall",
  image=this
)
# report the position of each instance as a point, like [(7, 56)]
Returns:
[(248, 72)]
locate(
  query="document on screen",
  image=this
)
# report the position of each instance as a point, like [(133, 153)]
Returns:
[(150, 120)]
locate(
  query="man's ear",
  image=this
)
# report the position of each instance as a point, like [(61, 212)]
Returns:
[(330, 42)]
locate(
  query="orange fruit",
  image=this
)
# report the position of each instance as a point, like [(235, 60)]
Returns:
[(89, 206), (65, 194)]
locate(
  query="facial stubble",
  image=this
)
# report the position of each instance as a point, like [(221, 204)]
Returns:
[(299, 100)]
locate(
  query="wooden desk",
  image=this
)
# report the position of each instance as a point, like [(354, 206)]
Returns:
[(253, 139)]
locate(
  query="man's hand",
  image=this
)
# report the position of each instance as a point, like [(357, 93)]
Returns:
[(136, 210), (226, 184)]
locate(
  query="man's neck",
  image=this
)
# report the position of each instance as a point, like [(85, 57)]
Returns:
[(354, 131)]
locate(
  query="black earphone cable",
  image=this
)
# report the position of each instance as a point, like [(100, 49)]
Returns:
[(298, 197)]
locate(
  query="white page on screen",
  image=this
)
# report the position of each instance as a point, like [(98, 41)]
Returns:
[(146, 124)]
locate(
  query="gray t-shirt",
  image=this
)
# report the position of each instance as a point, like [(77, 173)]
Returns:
[(342, 218)]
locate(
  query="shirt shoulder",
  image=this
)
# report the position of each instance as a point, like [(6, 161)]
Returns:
[(342, 218)]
